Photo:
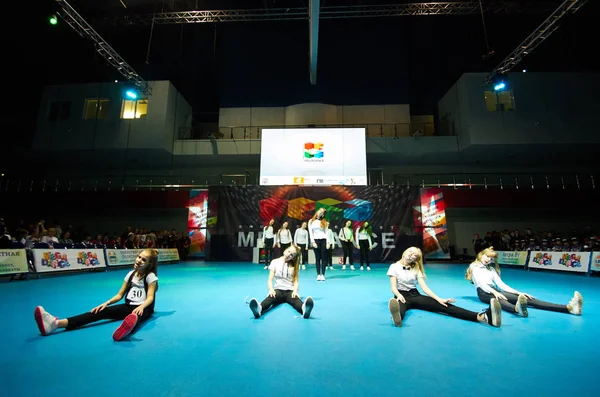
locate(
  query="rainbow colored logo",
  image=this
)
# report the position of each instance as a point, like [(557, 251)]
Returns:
[(313, 150)]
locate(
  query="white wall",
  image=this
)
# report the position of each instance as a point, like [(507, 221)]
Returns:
[(233, 120)]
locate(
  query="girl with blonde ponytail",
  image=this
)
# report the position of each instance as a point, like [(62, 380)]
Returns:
[(484, 273)]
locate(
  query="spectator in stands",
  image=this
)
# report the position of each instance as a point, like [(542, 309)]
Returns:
[(284, 271), (477, 242), (66, 238), (139, 289), (404, 277), (490, 286), (50, 238)]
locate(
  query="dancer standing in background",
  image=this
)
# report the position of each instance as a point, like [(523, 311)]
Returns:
[(284, 237), (301, 241), (364, 244), (269, 241), (330, 237), (317, 229), (347, 239)]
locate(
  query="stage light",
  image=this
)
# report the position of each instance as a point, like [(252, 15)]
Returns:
[(131, 94), (53, 20), (499, 82), (524, 70)]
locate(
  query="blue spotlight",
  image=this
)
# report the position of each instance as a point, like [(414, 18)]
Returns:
[(131, 94)]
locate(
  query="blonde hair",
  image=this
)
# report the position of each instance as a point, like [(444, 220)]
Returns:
[(490, 253), (417, 265), (296, 261)]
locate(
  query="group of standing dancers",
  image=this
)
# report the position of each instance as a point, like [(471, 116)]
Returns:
[(140, 285), (317, 234)]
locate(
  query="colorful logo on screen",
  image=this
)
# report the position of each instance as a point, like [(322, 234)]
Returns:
[(544, 259), (570, 260), (313, 150)]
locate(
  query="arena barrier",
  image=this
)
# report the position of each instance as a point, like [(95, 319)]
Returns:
[(46, 260)]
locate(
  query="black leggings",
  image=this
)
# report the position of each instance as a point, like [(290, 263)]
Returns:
[(321, 255), (363, 245), (268, 250), (116, 312), (348, 248), (414, 300), (304, 248), (511, 300), (281, 296), (284, 246)]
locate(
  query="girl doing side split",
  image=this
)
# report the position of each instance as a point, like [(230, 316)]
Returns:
[(319, 238), (139, 289), (404, 276), (486, 279), (284, 271)]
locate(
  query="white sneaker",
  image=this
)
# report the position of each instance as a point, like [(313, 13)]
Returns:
[(322, 277), (362, 268), (368, 267), (331, 268), (394, 307), (266, 267), (255, 307), (521, 306), (303, 267), (352, 268), (46, 322), (344, 267), (494, 313), (307, 307), (576, 304)]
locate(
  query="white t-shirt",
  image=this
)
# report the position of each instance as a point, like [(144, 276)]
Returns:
[(301, 236), (284, 236), (284, 274), (405, 279), (137, 293)]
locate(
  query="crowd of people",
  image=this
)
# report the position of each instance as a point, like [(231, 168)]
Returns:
[(514, 240), (42, 235)]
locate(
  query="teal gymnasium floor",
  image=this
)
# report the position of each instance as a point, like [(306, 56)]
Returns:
[(204, 341)]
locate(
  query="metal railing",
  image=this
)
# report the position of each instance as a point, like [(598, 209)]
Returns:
[(517, 181), (391, 130)]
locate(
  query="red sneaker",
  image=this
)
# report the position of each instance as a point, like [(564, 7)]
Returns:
[(126, 327)]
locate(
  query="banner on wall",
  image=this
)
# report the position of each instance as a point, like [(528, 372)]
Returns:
[(197, 221), (565, 261), (430, 221), (13, 261), (595, 265), (240, 213), (515, 258), (127, 257), (53, 260)]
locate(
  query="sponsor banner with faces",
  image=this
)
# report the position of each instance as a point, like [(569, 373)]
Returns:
[(565, 261), (53, 260)]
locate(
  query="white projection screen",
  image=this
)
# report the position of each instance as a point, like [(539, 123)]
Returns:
[(313, 156)]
